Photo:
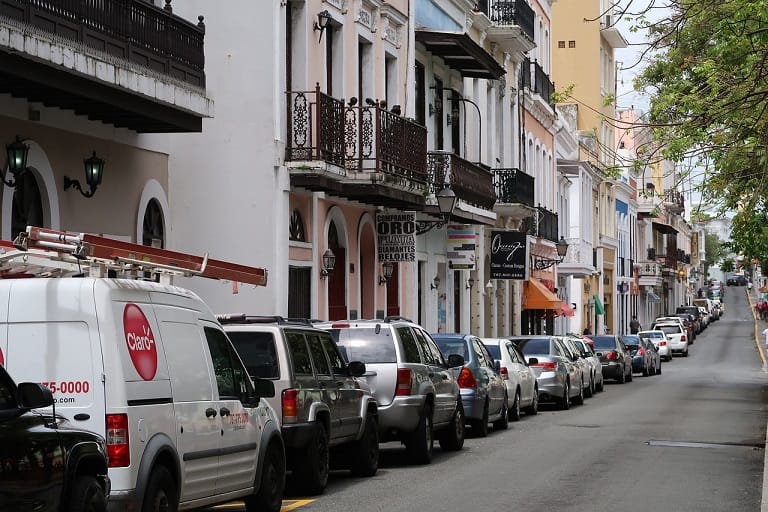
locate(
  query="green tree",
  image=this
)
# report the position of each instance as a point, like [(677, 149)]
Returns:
[(714, 251), (727, 266)]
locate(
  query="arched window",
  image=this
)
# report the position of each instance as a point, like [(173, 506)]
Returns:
[(27, 209), (153, 232), (296, 228)]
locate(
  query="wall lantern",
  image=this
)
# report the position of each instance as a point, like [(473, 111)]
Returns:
[(435, 283), (470, 283), (386, 272), (16, 153), (544, 263), (94, 171), (323, 18), (446, 202), (329, 263)]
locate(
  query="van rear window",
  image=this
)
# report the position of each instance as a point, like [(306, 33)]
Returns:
[(257, 350)]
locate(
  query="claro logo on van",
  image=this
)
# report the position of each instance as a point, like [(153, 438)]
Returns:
[(2, 359), (140, 341)]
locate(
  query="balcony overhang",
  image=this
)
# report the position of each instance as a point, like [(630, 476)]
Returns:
[(461, 53), (510, 38), (42, 70), (613, 37), (664, 228), (514, 211), (465, 213)]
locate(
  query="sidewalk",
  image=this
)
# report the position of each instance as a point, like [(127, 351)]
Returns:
[(759, 342)]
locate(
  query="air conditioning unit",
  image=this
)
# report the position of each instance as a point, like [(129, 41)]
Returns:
[(607, 21)]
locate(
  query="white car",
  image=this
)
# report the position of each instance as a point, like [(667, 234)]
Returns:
[(518, 377), (677, 337), (660, 341)]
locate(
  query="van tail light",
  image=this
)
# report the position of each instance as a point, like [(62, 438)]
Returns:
[(290, 405), (118, 449), (466, 379), (504, 373), (545, 365), (403, 382)]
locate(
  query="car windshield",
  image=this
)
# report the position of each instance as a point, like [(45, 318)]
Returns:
[(257, 350), (369, 345), (604, 342), (449, 346), (534, 346)]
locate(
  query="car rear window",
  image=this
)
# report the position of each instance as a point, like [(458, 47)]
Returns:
[(630, 340), (669, 329), (651, 335), (494, 351), (533, 346), (604, 342), (369, 345), (257, 350), (450, 346)]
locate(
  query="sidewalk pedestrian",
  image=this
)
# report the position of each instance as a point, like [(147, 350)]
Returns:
[(634, 325)]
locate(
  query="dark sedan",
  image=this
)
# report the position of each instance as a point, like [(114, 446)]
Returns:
[(614, 356), (645, 357)]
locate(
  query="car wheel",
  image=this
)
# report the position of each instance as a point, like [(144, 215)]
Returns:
[(269, 497), (591, 388), (629, 377), (503, 422), (621, 378), (161, 494), (565, 402), (685, 354), (480, 427), (87, 495), (365, 462), (601, 386), (311, 472), (419, 444), (533, 409), (658, 370), (452, 438), (645, 371), (514, 412), (579, 400)]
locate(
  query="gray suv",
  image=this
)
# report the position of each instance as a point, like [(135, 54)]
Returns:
[(327, 420), (412, 382)]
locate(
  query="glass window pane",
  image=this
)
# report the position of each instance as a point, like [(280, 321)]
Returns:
[(302, 364), (410, 348), (258, 352), (332, 351), (318, 355)]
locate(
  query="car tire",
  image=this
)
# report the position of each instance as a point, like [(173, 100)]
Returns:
[(503, 422), (161, 494), (629, 377), (87, 495), (420, 441), (533, 409), (452, 437), (685, 354), (600, 387), (645, 371), (311, 472), (658, 370), (365, 451), (514, 412), (269, 497), (621, 378), (480, 427), (579, 400), (591, 388), (564, 403)]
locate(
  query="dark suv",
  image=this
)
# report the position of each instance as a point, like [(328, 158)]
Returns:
[(45, 465), (327, 419)]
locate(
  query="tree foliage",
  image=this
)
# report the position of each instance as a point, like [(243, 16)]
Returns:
[(714, 251)]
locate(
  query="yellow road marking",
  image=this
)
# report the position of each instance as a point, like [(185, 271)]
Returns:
[(288, 505)]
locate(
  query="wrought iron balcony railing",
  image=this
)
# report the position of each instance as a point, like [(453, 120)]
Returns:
[(513, 186), (135, 30), (510, 12), (542, 85), (674, 201), (470, 182), (548, 224), (355, 138)]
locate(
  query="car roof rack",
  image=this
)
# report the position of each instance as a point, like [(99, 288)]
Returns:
[(42, 252), (242, 318)]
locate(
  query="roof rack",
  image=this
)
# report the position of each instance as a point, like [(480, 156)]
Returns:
[(41, 252), (242, 318)]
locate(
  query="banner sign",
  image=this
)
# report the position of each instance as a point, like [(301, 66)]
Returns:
[(461, 247), (396, 234), (509, 255)]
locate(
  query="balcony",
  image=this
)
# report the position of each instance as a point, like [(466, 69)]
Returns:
[(511, 26), (649, 273), (472, 184), (542, 85), (674, 201), (610, 32), (123, 62), (514, 193), (364, 153), (547, 225), (578, 260)]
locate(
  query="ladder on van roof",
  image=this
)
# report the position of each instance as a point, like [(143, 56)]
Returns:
[(41, 252)]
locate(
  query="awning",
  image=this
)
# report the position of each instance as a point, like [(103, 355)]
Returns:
[(537, 296), (461, 53), (565, 310), (664, 228), (599, 308), (653, 298)]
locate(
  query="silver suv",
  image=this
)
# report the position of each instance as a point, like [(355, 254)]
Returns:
[(328, 420), (413, 384)]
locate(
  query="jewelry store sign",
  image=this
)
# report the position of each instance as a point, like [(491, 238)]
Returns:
[(396, 236), (509, 254)]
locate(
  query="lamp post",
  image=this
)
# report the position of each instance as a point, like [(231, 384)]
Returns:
[(446, 202), (543, 263)]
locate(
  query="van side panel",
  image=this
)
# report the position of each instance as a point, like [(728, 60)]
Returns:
[(5, 291)]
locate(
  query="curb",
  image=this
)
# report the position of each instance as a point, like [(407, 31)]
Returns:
[(764, 500)]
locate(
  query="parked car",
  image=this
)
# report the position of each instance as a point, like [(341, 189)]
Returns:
[(558, 377), (518, 377), (597, 368), (659, 340), (676, 319), (580, 359), (411, 380), (677, 338), (614, 357), (47, 464), (483, 393), (326, 420), (693, 311), (645, 357)]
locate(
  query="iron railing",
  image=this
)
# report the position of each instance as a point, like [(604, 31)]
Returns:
[(355, 138), (513, 186), (510, 12), (470, 182), (134, 30), (542, 85), (548, 224)]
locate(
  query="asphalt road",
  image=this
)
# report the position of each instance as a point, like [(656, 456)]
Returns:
[(690, 439)]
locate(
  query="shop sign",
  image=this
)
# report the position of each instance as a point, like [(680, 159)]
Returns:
[(509, 255), (461, 247), (396, 234)]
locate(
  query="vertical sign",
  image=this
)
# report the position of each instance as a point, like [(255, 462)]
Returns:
[(396, 236), (509, 255), (461, 247)]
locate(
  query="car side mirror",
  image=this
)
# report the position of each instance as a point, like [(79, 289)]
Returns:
[(455, 360), (356, 369), (34, 396), (532, 360), (264, 388)]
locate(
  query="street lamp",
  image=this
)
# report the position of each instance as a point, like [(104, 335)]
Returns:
[(544, 263), (17, 153), (329, 262), (94, 172), (386, 272), (446, 202)]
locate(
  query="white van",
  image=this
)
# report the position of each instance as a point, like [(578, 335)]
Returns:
[(147, 366)]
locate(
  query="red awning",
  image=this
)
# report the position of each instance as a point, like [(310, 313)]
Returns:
[(565, 310)]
